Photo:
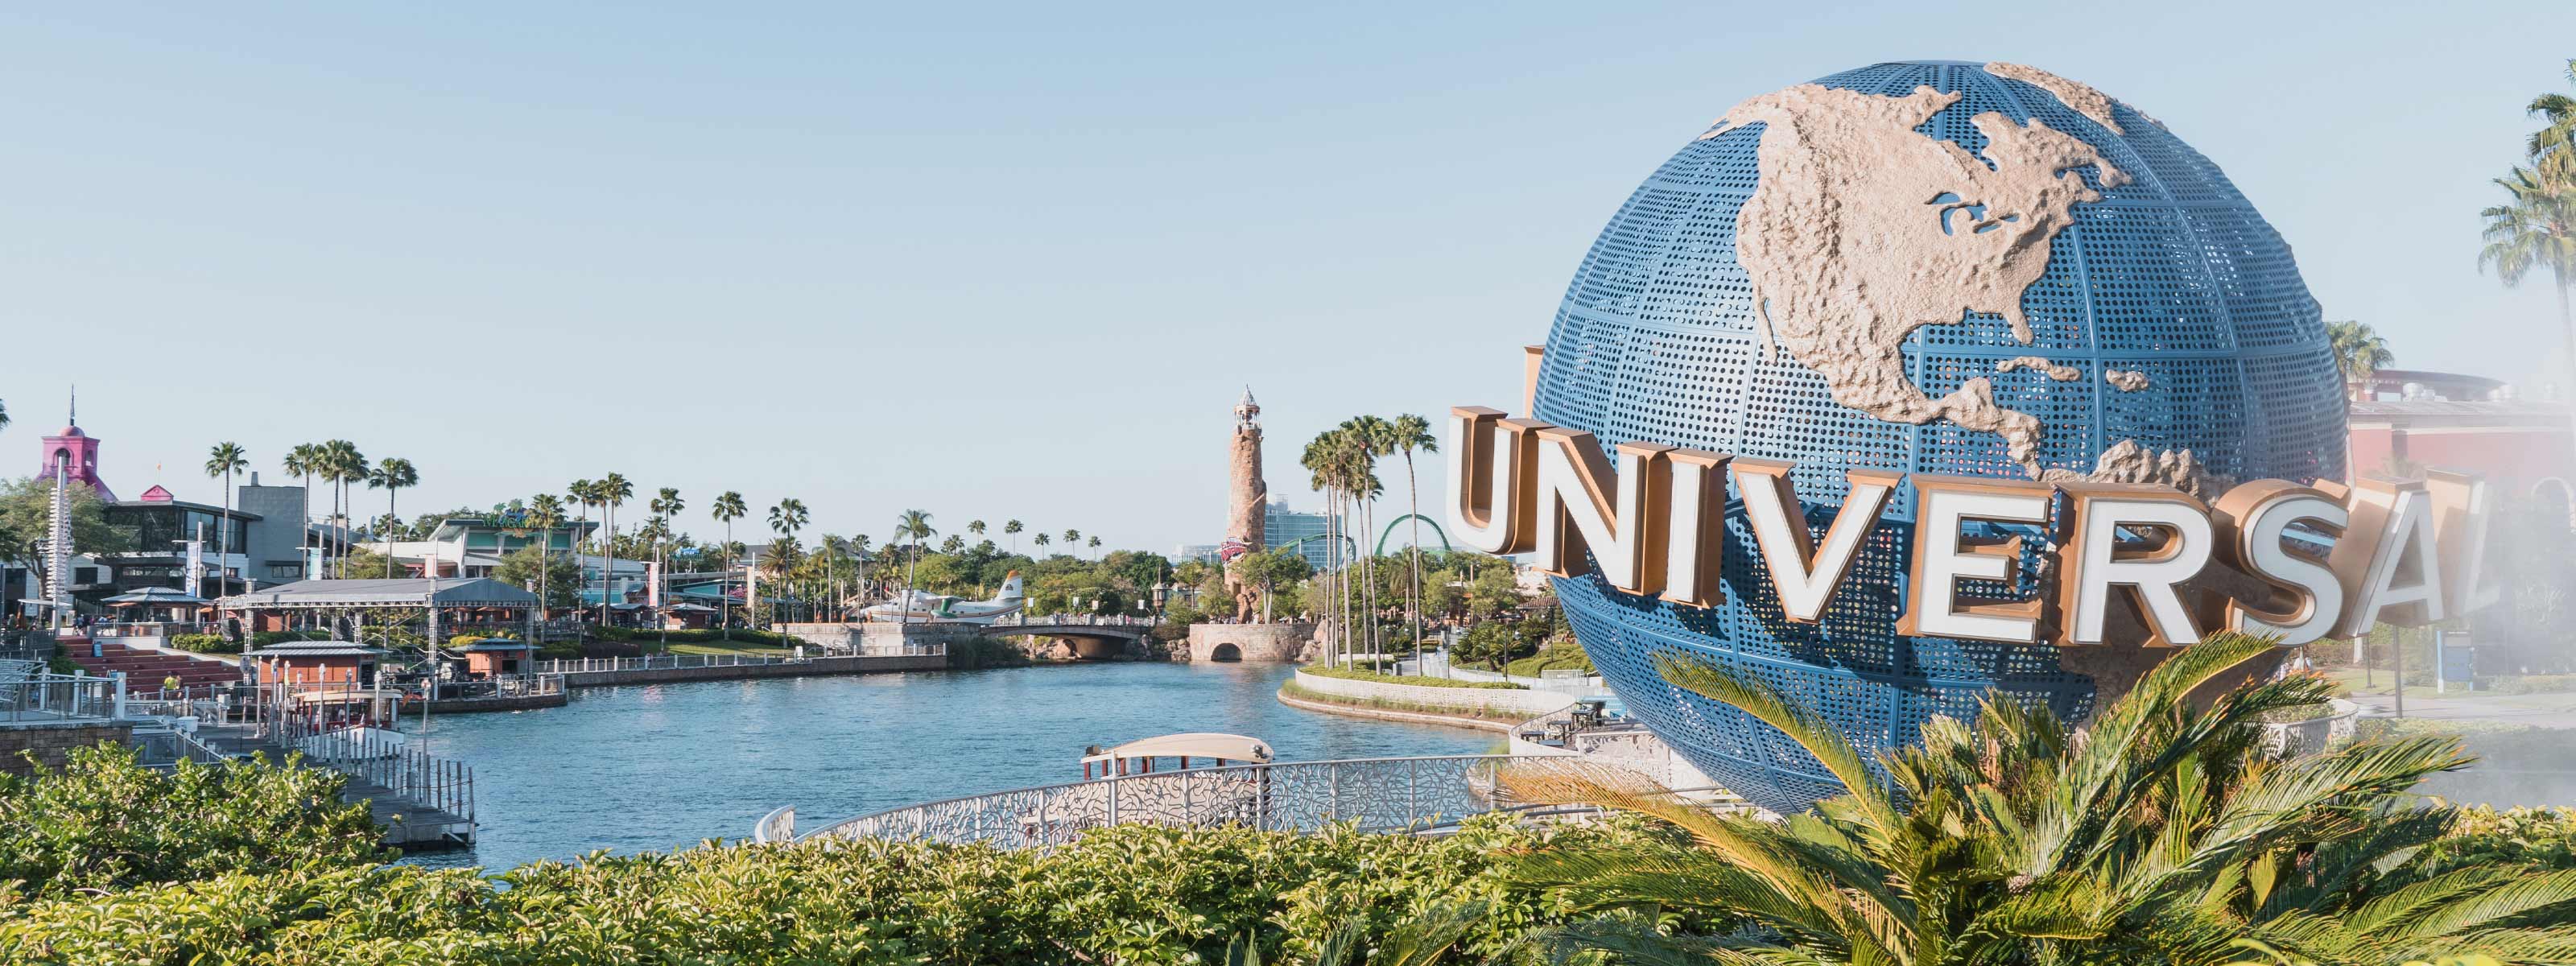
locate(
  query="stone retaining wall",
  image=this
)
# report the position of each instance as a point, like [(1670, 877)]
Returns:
[(52, 741), (816, 667), (1494, 700), (1280, 643)]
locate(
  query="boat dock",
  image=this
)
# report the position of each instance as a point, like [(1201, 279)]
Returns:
[(422, 802)]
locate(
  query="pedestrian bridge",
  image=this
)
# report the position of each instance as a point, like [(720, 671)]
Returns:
[(1091, 638)]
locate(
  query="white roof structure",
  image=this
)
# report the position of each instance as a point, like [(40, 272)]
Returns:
[(395, 592), (1193, 744)]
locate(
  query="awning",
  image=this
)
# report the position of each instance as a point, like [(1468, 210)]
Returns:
[(395, 592), (1194, 744), (155, 595)]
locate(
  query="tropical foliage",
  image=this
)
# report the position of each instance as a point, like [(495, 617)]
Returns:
[(2156, 835), (101, 822), (264, 878)]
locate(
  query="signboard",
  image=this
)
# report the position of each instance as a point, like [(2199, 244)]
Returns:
[(2456, 660)]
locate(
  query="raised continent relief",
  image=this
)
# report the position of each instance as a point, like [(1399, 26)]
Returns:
[(2040, 364), (1861, 230), (2081, 97)]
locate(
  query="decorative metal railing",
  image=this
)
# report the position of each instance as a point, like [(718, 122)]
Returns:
[(57, 697), (581, 665), (1376, 794), (401, 769), (2294, 738), (165, 749)]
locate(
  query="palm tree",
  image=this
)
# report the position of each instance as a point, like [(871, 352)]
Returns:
[(728, 508), (779, 561), (1376, 438), (1072, 538), (666, 504), (2555, 143), (392, 475), (1095, 546), (2159, 833), (2359, 352), (914, 526), (1011, 529), (975, 527), (1041, 541), (2536, 230), (4, 415), (304, 462), (610, 492), (343, 465), (1408, 433), (545, 513), (224, 460)]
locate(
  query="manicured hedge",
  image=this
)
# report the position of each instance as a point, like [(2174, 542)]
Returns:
[(205, 644), (1356, 674), (742, 636)]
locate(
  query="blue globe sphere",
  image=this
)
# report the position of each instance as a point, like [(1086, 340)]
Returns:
[(1932, 267)]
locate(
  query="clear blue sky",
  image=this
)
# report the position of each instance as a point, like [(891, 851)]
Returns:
[(1017, 261)]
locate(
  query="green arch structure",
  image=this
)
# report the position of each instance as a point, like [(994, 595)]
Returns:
[(1390, 531)]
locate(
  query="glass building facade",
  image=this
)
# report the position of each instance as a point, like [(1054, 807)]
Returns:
[(1282, 526), (165, 528)]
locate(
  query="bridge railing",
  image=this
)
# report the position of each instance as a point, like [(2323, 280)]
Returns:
[(1376, 794), (1073, 620)]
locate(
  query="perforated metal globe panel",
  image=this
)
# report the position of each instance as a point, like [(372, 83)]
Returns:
[(2172, 275)]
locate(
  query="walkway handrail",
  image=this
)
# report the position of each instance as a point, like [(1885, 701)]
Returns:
[(1375, 794)]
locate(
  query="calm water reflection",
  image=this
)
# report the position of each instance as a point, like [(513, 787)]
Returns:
[(658, 767)]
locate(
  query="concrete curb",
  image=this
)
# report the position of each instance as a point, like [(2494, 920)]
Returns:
[(1385, 714)]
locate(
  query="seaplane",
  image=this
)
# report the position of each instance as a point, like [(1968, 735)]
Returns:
[(923, 608)]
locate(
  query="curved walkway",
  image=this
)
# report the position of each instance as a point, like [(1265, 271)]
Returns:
[(1390, 714)]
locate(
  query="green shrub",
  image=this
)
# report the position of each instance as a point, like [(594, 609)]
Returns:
[(1356, 674), (1555, 657), (743, 636), (462, 641), (266, 638), (1131, 894), (205, 644), (104, 822)]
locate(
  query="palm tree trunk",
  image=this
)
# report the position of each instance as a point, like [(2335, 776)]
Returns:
[(2567, 327), (223, 540), (1413, 512)]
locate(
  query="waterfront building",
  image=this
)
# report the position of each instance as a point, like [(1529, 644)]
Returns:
[(473, 545), (255, 543), (2409, 419)]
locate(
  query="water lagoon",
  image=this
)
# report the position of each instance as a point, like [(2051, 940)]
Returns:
[(659, 767)]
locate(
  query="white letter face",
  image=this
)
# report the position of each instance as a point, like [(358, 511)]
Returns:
[(2262, 549), (1804, 574), (1484, 457), (2151, 577), (1941, 506), (1695, 528), (1576, 511), (2402, 579), (2462, 506)]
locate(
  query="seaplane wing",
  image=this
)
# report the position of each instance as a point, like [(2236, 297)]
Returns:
[(920, 608)]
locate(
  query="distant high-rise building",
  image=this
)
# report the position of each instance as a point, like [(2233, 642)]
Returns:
[(1285, 526)]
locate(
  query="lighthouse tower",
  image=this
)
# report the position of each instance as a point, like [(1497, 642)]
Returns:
[(1247, 500)]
